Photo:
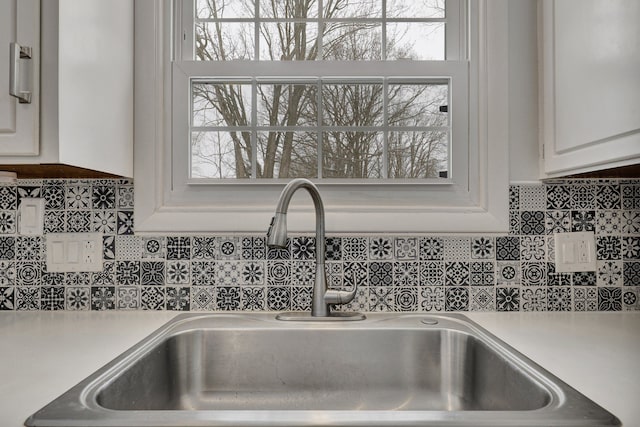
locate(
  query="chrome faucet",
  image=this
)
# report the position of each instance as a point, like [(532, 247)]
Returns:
[(322, 297)]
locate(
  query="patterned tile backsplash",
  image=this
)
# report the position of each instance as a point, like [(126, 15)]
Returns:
[(512, 272)]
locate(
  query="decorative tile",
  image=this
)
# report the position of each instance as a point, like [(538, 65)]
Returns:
[(583, 220), (7, 273), (534, 273), (514, 222), (585, 299), (514, 197), (78, 197), (279, 273), (7, 247), (79, 221), (128, 298), (229, 248), (125, 197), (381, 298), (8, 198), (432, 299), (557, 279), (278, 298), (508, 273), (303, 248), (104, 222), (28, 273), (406, 299), (507, 248), (585, 278), (380, 248), (178, 272), (630, 196), (28, 191), (609, 299), (533, 197), (178, 248), (483, 298), (608, 196), (301, 298), (55, 221), (583, 197), (228, 298), (608, 222), (631, 272), (253, 273), (532, 248), (359, 303), (77, 298), (355, 274), (335, 275), (631, 248), (558, 197), (482, 248), (406, 248), (80, 278), (29, 248), (103, 298), (152, 298), (228, 273), (482, 273), (406, 273), (152, 273), (457, 248), (154, 248), (254, 248), (609, 273), (178, 298), (129, 247), (355, 248), (54, 195), (124, 222), (106, 277), (104, 197), (457, 299), (431, 249), (333, 250), (204, 248), (128, 273), (631, 299), (7, 301), (557, 222), (533, 299), (8, 222), (380, 274), (559, 298), (253, 299), (608, 248), (108, 247), (456, 273), (630, 222), (203, 273), (303, 273), (27, 298), (432, 273), (508, 299), (532, 222)]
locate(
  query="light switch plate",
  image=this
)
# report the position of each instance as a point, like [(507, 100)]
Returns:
[(575, 252), (73, 252), (31, 216)]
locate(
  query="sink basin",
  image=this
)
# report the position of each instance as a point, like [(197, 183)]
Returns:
[(388, 370)]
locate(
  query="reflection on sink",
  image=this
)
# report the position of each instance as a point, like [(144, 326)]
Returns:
[(215, 370)]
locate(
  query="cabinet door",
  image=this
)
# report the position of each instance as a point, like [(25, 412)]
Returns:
[(19, 120), (590, 85)]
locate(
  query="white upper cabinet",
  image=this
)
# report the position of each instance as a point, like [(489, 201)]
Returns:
[(86, 87), (590, 85), (19, 77)]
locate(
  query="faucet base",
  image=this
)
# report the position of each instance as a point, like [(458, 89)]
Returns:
[(336, 316)]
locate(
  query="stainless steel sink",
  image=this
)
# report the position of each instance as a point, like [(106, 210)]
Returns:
[(388, 370)]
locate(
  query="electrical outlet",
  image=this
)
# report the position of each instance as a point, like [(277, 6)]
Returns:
[(575, 252), (71, 252)]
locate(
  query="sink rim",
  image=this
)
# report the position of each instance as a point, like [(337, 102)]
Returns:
[(87, 391)]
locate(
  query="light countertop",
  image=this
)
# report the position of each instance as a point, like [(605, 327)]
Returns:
[(44, 354)]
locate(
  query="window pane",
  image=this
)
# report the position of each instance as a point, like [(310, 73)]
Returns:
[(415, 8), (352, 9), (221, 104), (215, 41), (352, 155), (287, 105), (352, 104), (416, 40), (216, 9), (418, 104), (287, 155), (352, 41), (289, 9), (418, 154), (288, 41), (221, 155)]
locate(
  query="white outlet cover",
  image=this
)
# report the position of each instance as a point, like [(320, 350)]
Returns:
[(74, 252), (575, 252), (31, 216)]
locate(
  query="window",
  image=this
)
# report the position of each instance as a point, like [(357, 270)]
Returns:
[(379, 101)]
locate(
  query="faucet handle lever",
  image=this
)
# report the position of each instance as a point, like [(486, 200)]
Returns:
[(332, 296)]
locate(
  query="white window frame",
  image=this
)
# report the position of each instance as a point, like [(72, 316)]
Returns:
[(475, 200)]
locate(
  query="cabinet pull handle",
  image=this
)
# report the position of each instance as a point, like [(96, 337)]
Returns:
[(16, 53)]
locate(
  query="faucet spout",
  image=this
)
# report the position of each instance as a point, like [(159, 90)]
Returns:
[(322, 298)]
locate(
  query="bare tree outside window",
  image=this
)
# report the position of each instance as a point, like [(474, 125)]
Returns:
[(324, 128)]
